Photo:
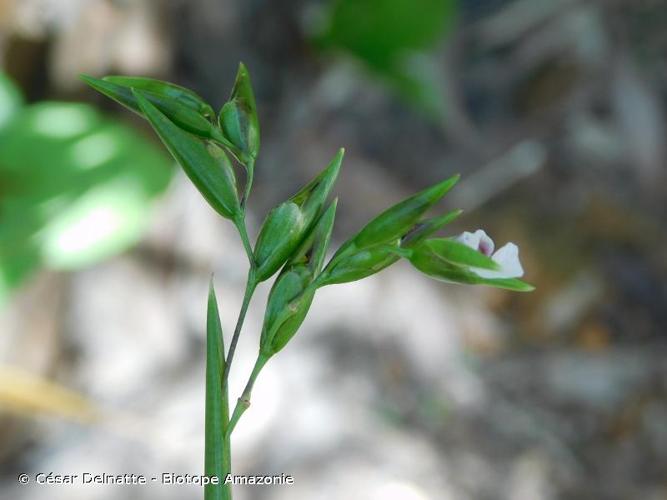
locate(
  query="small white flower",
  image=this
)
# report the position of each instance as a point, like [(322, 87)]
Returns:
[(507, 257)]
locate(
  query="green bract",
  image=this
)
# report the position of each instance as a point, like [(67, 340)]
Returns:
[(448, 260), (286, 225), (186, 110), (208, 168), (293, 291), (238, 118)]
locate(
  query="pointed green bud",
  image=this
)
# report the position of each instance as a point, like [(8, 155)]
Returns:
[(280, 234), (293, 291), (397, 220), (289, 301), (312, 197), (184, 96), (360, 263), (287, 224), (186, 116), (238, 117), (352, 264), (208, 168)]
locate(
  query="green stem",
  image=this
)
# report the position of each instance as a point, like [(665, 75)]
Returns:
[(243, 402), (239, 222), (249, 290), (250, 171)]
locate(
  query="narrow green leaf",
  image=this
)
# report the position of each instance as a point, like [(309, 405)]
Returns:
[(211, 174), (217, 455)]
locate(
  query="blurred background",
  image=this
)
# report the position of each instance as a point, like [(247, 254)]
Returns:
[(396, 387)]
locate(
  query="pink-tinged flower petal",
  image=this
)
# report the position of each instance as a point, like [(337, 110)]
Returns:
[(478, 240), (507, 258), (486, 244)]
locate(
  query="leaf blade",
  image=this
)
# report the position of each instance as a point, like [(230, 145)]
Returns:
[(217, 456)]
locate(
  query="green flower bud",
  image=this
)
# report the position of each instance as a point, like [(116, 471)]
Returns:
[(181, 111), (238, 118), (359, 263), (292, 293), (287, 224), (208, 168), (184, 96)]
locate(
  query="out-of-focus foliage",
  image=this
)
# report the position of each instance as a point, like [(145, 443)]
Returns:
[(393, 38), (74, 187)]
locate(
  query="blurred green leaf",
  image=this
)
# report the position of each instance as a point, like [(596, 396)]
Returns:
[(74, 188), (11, 100), (393, 38)]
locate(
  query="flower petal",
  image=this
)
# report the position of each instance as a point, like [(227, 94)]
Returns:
[(486, 244), (478, 240), (507, 258)]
